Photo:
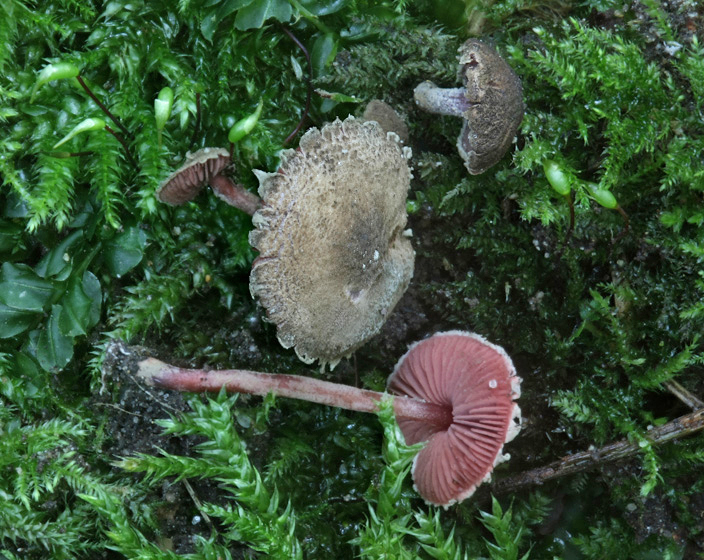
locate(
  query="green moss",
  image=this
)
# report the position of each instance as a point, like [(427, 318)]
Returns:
[(599, 317)]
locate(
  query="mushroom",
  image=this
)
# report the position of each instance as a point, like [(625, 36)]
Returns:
[(476, 380), (387, 117), (201, 168), (454, 389), (490, 102), (334, 258)]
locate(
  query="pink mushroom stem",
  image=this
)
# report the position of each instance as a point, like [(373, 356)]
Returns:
[(234, 194), (160, 374)]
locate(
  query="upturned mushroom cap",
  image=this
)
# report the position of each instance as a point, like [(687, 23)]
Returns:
[(477, 380), (186, 182), (334, 259)]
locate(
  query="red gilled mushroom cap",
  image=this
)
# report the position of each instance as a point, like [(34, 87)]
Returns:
[(477, 380)]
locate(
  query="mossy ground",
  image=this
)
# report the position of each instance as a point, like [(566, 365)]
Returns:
[(598, 322)]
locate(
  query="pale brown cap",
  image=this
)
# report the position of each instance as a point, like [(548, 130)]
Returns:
[(334, 258), (185, 183), (387, 117), (477, 381)]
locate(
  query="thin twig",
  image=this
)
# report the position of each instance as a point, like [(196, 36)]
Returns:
[(121, 140), (585, 460), (196, 501), (309, 85), (685, 396), (103, 108)]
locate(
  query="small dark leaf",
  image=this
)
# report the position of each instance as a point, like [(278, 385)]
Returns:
[(91, 287), (54, 349), (57, 262), (322, 53), (21, 288), (125, 251)]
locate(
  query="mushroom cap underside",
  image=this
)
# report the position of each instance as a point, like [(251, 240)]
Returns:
[(185, 183), (477, 380), (334, 259)]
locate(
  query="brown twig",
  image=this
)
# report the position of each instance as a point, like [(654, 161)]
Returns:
[(585, 460), (309, 85), (103, 108), (685, 396)]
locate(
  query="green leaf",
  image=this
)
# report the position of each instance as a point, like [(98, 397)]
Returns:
[(91, 287), (323, 52), (21, 288), (54, 348), (15, 321), (323, 7), (255, 14), (125, 251), (210, 22), (75, 313), (57, 262)]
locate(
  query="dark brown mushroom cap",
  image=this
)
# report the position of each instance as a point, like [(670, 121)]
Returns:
[(495, 106), (334, 258), (477, 380), (185, 183)]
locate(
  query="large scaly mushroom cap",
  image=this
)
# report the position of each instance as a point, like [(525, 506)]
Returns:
[(334, 259)]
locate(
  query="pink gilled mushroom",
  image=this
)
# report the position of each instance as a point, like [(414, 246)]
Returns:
[(477, 381), (454, 390), (205, 167)]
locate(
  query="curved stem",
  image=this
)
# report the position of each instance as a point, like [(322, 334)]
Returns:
[(441, 101), (235, 195), (124, 145), (103, 108), (159, 374)]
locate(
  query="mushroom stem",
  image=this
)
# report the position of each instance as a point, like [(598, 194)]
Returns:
[(441, 101), (235, 195), (159, 374)]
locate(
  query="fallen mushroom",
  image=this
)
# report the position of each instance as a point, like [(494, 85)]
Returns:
[(454, 390), (334, 258), (201, 168), (490, 102)]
